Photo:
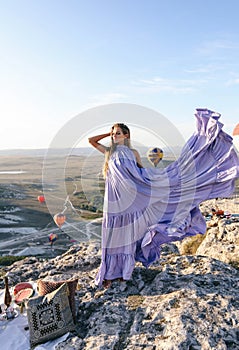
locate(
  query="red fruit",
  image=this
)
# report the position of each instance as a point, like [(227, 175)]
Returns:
[(23, 294), (20, 286)]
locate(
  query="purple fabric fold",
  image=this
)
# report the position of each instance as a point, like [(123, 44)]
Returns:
[(147, 207)]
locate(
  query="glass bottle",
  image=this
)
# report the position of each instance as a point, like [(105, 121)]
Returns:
[(7, 295)]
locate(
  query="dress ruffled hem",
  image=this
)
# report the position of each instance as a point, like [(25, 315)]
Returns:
[(115, 266)]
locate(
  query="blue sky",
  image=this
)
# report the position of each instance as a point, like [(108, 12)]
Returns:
[(59, 58)]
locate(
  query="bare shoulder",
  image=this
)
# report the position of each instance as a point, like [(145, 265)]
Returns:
[(136, 153)]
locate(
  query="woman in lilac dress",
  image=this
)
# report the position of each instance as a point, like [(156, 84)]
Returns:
[(146, 207)]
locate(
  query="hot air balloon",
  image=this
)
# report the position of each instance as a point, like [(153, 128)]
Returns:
[(52, 238), (235, 134), (41, 199), (59, 219), (155, 155), (236, 130)]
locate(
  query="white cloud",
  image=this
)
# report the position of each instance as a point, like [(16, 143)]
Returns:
[(157, 84), (107, 98), (231, 82), (101, 99), (210, 47), (207, 69)]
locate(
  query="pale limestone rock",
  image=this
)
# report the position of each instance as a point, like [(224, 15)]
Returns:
[(221, 243), (180, 302)]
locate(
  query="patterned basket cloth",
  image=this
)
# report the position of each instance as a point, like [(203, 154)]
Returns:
[(44, 287), (49, 316)]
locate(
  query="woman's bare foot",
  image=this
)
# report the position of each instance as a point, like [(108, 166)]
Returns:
[(107, 283)]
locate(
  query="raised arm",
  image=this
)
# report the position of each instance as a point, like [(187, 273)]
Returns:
[(94, 141)]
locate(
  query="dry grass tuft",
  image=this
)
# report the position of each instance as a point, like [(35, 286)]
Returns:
[(191, 244)]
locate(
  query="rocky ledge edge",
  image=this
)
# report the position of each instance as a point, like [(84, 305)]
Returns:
[(180, 302)]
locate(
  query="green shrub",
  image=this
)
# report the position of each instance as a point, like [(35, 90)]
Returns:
[(10, 259)]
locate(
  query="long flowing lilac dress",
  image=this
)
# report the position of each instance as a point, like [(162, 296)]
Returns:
[(144, 208)]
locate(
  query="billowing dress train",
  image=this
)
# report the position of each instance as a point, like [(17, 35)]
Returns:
[(146, 207)]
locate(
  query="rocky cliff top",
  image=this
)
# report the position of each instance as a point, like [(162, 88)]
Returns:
[(180, 302)]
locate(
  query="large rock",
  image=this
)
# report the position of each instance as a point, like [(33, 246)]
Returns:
[(185, 303), (181, 302), (222, 242)]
